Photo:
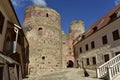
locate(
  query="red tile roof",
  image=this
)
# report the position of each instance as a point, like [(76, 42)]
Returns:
[(101, 23)]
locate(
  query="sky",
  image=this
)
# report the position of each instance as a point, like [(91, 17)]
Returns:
[(88, 11)]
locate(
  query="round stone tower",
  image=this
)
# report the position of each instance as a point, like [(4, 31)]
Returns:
[(76, 28), (43, 31)]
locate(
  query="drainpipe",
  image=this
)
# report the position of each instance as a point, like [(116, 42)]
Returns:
[(16, 29)]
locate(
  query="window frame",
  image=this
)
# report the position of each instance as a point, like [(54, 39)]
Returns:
[(86, 47), (104, 39), (87, 60), (92, 45), (80, 49), (116, 35), (94, 60)]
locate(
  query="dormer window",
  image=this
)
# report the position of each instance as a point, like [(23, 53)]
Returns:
[(113, 17), (83, 36), (95, 29)]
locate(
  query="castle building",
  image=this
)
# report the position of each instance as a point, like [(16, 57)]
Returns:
[(50, 47), (100, 42)]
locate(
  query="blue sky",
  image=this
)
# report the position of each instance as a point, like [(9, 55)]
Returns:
[(87, 10)]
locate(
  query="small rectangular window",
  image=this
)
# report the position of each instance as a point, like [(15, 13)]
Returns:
[(116, 35), (80, 50), (88, 63), (92, 44), (47, 15), (86, 46), (1, 22), (106, 57), (94, 60), (104, 39)]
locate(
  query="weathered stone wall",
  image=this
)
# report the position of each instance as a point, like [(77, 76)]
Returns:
[(42, 29), (65, 49)]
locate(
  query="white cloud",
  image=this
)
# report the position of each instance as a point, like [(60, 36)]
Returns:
[(14, 2), (18, 3), (117, 2), (40, 2)]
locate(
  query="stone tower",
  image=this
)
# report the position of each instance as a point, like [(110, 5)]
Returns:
[(76, 29), (43, 31)]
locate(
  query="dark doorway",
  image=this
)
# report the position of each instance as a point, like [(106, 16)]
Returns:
[(1, 73), (70, 64)]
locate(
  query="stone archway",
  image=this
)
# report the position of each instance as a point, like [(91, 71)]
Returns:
[(70, 64)]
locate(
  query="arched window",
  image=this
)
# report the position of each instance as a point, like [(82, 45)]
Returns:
[(40, 31), (70, 64)]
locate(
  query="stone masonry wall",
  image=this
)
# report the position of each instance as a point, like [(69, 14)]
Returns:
[(42, 29)]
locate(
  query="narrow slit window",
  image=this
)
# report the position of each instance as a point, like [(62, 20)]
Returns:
[(47, 15)]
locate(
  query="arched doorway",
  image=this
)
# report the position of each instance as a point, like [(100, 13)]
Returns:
[(70, 64)]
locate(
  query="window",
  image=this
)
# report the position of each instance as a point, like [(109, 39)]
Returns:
[(40, 31), (88, 63), (43, 57), (80, 50), (47, 15), (115, 35), (1, 73), (86, 46), (95, 29), (106, 57), (1, 22), (117, 53), (104, 39), (92, 44), (94, 60), (113, 17), (83, 36)]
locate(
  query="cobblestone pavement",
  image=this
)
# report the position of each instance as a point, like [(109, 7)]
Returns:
[(67, 74)]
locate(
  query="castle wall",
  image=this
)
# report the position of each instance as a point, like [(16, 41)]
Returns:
[(65, 49)]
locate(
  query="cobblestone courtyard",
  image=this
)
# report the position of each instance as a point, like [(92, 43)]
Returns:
[(67, 74)]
